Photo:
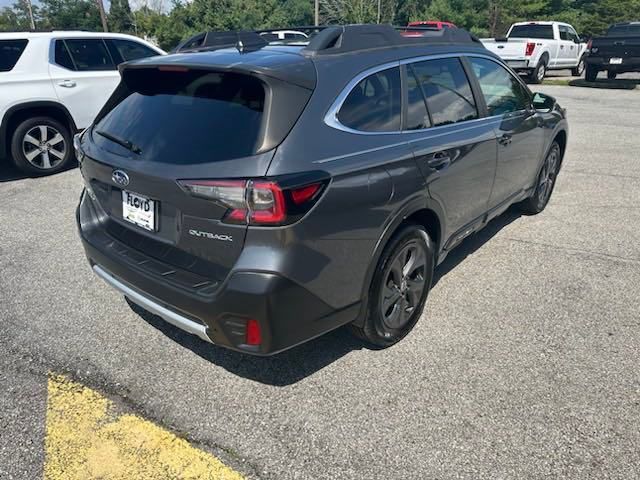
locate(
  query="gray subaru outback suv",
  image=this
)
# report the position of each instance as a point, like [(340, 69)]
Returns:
[(259, 195)]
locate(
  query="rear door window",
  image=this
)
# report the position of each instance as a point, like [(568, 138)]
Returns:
[(417, 114), (10, 53), (187, 117), (62, 56), (90, 54), (447, 90), (502, 92), (374, 104)]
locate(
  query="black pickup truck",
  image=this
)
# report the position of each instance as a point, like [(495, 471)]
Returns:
[(617, 52)]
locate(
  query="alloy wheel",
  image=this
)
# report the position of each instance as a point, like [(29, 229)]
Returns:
[(44, 147), (404, 285), (541, 72), (548, 176), (581, 67)]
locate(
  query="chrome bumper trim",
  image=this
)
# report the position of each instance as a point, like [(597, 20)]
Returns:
[(152, 306)]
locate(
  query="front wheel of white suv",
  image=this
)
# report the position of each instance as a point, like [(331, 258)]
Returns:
[(41, 146)]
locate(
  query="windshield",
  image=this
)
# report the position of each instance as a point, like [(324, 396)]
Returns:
[(532, 31), (186, 117), (624, 31)]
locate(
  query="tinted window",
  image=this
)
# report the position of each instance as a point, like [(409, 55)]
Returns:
[(374, 104), (10, 53), (564, 33), (417, 115), (624, 30), (62, 56), (532, 31), (90, 54), (502, 92), (188, 118), (132, 50), (447, 89)]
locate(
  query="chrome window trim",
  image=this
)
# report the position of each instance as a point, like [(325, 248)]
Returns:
[(331, 117)]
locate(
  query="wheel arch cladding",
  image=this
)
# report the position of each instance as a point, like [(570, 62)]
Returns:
[(561, 138), (424, 217), (18, 113)]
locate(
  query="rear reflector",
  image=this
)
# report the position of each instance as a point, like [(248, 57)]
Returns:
[(304, 194), (253, 335)]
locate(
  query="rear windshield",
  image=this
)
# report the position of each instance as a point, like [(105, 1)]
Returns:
[(187, 117), (10, 53), (532, 31), (624, 31)]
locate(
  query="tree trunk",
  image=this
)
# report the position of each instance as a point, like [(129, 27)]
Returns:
[(103, 16)]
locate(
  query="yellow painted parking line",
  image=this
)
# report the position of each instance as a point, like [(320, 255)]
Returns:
[(87, 439)]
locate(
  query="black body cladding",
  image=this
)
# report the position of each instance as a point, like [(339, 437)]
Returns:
[(287, 238)]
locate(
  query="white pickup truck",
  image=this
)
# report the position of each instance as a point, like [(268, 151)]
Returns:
[(535, 47)]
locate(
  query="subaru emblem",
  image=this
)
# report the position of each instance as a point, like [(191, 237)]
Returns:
[(120, 178)]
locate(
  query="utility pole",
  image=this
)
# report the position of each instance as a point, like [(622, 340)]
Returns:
[(379, 9), (317, 12), (30, 12), (103, 16)]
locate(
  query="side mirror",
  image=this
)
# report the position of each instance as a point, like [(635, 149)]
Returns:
[(543, 102), (576, 40)]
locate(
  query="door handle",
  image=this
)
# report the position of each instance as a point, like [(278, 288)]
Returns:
[(504, 140), (561, 47), (439, 161), (67, 83)]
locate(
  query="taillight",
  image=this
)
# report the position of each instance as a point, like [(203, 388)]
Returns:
[(256, 202), (589, 43), (253, 334), (530, 48)]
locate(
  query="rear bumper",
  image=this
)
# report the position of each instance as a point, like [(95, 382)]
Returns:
[(288, 314), (519, 64), (629, 64)]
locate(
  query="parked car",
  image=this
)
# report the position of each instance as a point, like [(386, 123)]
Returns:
[(534, 48), (432, 23), (52, 85), (264, 198), (617, 52), (285, 35)]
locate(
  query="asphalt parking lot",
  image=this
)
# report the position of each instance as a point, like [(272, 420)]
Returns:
[(525, 364)]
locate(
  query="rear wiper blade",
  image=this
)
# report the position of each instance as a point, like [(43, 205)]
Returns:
[(125, 143)]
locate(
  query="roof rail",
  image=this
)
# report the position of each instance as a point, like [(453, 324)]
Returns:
[(352, 38), (333, 39)]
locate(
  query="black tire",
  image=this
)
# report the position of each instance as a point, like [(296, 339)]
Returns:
[(611, 75), (537, 74), (579, 70), (591, 73), (52, 153), (387, 320), (545, 183)]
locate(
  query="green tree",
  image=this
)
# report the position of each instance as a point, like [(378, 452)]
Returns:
[(120, 17), (70, 14)]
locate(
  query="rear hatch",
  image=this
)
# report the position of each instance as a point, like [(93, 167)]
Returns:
[(170, 126)]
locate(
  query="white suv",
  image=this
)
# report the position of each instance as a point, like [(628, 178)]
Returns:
[(52, 85)]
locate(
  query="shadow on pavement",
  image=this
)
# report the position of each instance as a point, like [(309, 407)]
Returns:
[(9, 173), (293, 365), (619, 84)]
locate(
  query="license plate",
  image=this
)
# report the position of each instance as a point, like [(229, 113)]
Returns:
[(139, 210), (615, 61)]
